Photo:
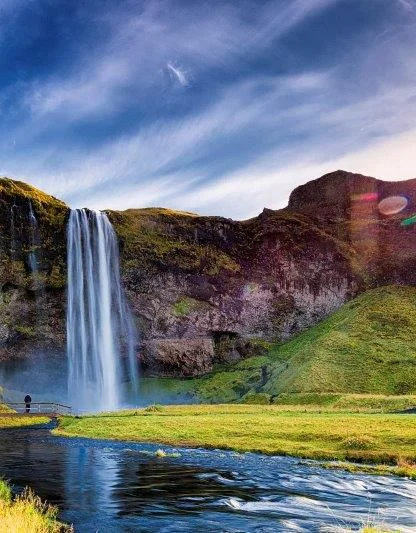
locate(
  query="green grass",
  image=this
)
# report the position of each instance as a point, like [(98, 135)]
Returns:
[(164, 238), (270, 429), (27, 513), (19, 421), (348, 402), (367, 346), (14, 188)]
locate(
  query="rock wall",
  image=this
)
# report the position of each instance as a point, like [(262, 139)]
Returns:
[(32, 271), (208, 290)]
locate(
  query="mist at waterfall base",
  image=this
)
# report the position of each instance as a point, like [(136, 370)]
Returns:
[(41, 374), (101, 335)]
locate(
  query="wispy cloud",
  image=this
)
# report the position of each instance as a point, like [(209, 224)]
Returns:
[(140, 43), (274, 96), (269, 184), (178, 74), (163, 147), (409, 5)]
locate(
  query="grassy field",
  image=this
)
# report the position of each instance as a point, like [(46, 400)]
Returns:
[(388, 439), (27, 514), (19, 421)]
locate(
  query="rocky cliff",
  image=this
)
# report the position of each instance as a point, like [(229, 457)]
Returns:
[(207, 290)]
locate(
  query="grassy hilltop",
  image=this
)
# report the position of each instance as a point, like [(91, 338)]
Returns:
[(367, 346)]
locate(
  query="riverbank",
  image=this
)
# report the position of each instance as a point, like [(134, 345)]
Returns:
[(27, 513), (12, 420), (386, 440)]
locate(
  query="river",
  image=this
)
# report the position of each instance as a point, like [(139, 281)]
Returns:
[(122, 487)]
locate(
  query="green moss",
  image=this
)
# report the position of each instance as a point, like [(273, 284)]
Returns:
[(167, 390), (185, 306), (306, 399), (51, 215), (13, 272), (160, 211), (256, 398), (14, 188), (57, 277), (232, 383), (166, 238), (253, 363), (26, 331)]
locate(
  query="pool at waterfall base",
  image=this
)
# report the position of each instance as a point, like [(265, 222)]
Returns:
[(124, 487)]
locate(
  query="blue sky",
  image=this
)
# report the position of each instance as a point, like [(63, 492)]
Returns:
[(218, 107)]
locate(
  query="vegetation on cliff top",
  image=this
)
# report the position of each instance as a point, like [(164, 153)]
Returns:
[(168, 238), (19, 189), (51, 215)]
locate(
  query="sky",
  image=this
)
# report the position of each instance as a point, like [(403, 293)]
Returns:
[(216, 107)]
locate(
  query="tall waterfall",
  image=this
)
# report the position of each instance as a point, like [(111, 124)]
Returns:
[(100, 329)]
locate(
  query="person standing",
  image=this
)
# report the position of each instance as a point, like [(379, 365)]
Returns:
[(28, 401)]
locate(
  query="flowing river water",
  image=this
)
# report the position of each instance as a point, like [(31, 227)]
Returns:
[(122, 487)]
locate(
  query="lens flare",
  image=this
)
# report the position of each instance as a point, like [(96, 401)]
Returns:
[(392, 205), (408, 221), (365, 197)]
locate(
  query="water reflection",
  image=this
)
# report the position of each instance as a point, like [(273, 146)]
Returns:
[(117, 487)]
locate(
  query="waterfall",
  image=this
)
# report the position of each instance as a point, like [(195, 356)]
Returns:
[(100, 328), (34, 241)]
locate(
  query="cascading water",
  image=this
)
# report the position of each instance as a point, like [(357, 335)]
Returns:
[(34, 241), (100, 327)]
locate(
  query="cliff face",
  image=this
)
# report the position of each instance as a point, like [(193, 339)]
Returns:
[(32, 271), (207, 290)]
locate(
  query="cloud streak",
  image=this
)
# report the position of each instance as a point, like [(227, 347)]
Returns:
[(275, 94), (178, 74)]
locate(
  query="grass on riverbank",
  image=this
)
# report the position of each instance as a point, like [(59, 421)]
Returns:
[(27, 514), (8, 420), (360, 437), (21, 421)]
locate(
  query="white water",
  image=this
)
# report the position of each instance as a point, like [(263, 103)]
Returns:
[(100, 328), (34, 240)]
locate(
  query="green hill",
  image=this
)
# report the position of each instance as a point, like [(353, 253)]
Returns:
[(367, 346)]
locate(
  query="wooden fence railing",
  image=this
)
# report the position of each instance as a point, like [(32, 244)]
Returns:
[(40, 408)]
